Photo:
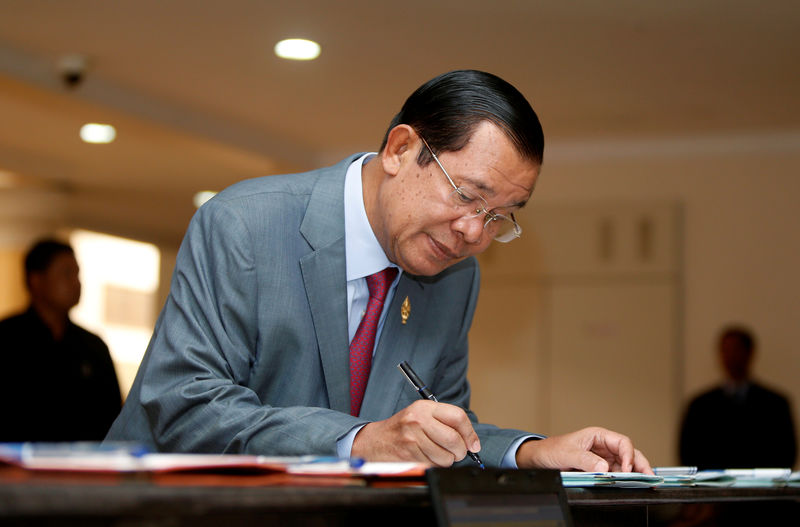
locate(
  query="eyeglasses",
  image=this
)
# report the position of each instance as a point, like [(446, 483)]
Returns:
[(502, 228)]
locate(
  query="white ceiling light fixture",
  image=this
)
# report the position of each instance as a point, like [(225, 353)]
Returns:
[(97, 133), (203, 196), (297, 49), (8, 179)]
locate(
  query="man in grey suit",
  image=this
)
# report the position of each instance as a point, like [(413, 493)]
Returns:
[(254, 349)]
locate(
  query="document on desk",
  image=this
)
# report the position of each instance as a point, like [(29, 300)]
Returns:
[(127, 458), (759, 477), (738, 477), (684, 477), (663, 477), (610, 479)]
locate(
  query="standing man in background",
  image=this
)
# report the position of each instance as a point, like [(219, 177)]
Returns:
[(718, 421), (57, 380)]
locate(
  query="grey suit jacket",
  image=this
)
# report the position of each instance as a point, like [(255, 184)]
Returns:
[(250, 353)]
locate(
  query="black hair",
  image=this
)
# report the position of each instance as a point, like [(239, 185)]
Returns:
[(742, 334), (42, 253), (446, 109)]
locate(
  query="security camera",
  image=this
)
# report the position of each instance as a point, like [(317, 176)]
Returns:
[(72, 69)]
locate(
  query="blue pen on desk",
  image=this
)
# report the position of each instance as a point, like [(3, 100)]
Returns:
[(425, 393), (353, 462)]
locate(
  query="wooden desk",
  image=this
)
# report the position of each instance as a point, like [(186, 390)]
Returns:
[(192, 502)]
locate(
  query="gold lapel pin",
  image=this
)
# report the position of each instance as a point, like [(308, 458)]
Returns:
[(405, 310)]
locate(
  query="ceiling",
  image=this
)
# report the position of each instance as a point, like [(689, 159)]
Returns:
[(200, 100)]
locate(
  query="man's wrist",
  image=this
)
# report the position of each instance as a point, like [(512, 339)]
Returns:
[(344, 446), (524, 454), (511, 457)]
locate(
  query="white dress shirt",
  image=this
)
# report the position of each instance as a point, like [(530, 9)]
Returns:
[(363, 254)]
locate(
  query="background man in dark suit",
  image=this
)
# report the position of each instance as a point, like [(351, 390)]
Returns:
[(57, 381), (740, 424)]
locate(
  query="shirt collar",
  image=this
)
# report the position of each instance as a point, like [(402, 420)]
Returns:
[(363, 254)]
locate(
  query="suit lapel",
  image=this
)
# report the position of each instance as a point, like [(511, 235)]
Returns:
[(386, 383), (325, 277), (327, 297)]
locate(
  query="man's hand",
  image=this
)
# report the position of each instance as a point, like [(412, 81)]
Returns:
[(435, 433), (592, 449)]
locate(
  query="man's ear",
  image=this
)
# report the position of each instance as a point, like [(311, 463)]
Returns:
[(398, 148)]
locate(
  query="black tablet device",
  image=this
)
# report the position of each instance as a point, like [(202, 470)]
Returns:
[(469, 496)]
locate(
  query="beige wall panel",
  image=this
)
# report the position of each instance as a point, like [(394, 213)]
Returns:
[(507, 375), (612, 349)]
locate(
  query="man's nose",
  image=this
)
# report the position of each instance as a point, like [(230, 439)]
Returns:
[(470, 227)]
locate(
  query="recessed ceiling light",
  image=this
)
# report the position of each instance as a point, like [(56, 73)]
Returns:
[(8, 179), (203, 196), (297, 49), (98, 133)]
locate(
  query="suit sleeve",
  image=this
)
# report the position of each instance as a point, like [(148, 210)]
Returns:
[(194, 389), (688, 437), (785, 448)]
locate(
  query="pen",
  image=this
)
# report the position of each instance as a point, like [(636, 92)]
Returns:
[(425, 393)]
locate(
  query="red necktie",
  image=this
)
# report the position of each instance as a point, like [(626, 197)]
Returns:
[(364, 341)]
